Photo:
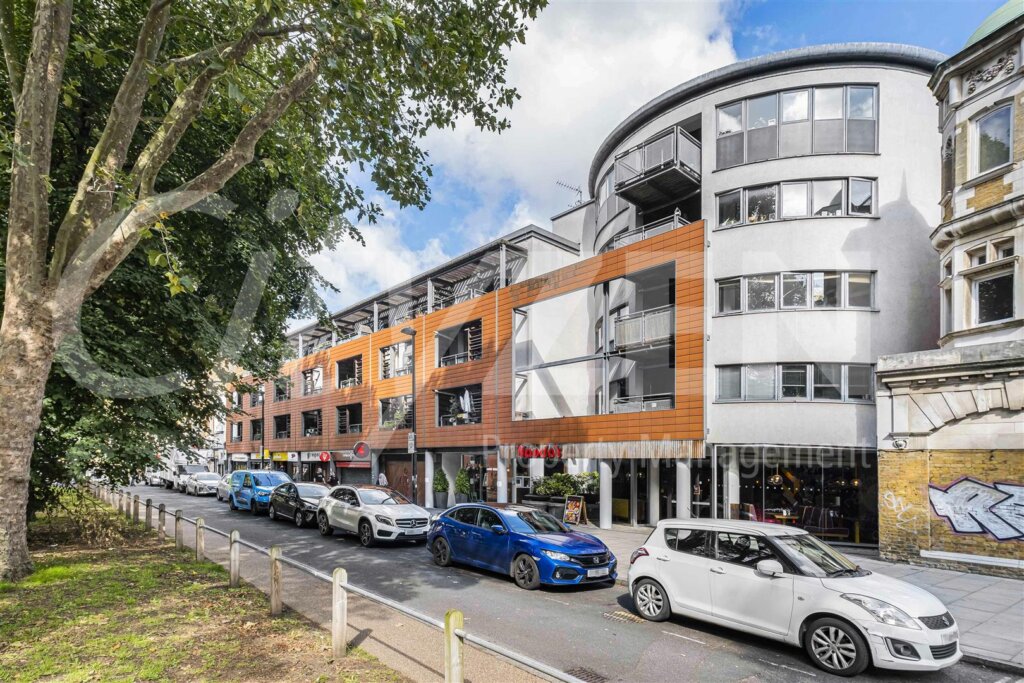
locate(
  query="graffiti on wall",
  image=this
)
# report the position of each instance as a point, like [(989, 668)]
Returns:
[(974, 507), (906, 517)]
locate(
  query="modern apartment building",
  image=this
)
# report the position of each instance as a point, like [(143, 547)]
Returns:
[(702, 332), (951, 420)]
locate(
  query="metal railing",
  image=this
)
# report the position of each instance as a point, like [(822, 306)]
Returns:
[(349, 382), (456, 419), (350, 429), (644, 328), (459, 358), (641, 404), (453, 625), (673, 146), (648, 230), (456, 298)]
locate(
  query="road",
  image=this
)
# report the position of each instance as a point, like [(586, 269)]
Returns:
[(590, 631)]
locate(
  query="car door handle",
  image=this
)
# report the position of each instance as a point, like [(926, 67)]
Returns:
[(661, 558), (717, 570)]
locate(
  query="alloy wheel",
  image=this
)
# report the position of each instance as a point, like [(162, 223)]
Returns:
[(649, 600), (272, 513), (323, 524), (365, 534), (441, 553), (297, 518), (525, 571), (833, 648)]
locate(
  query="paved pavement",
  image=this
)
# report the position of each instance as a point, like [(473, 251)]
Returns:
[(591, 631), (989, 610)]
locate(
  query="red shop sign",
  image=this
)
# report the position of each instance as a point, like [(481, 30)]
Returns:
[(325, 456), (549, 452)]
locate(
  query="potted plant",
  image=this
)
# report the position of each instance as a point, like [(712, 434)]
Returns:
[(463, 488), (440, 489), (557, 486)]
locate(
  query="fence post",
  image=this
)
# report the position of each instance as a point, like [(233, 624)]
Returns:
[(161, 521), (179, 542), (275, 581), (120, 502), (453, 621), (200, 539), (339, 614), (135, 509), (127, 505), (233, 559), (149, 514)]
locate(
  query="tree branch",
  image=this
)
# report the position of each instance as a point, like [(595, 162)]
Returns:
[(8, 36), (204, 55), (95, 193)]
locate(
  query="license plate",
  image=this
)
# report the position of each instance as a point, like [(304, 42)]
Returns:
[(948, 638), (419, 532), (595, 573)]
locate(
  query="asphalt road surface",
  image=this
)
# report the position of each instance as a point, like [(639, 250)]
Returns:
[(591, 631)]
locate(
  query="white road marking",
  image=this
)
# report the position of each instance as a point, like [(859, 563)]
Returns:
[(560, 602), (790, 668), (692, 640)]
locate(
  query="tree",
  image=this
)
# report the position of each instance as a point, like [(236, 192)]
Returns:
[(363, 80)]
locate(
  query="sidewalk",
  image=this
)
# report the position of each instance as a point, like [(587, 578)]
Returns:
[(989, 610)]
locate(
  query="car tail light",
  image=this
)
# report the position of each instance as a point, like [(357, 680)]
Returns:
[(637, 554)]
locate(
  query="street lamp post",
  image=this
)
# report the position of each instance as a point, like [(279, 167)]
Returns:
[(412, 335)]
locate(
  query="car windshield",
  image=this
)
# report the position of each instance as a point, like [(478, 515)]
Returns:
[(311, 490), (814, 557), (208, 476), (270, 478), (541, 522), (382, 497)]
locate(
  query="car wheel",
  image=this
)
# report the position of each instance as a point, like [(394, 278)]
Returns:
[(525, 573), (365, 534), (836, 647), (441, 552), (254, 509), (231, 503), (272, 513), (299, 519), (651, 601), (324, 525)]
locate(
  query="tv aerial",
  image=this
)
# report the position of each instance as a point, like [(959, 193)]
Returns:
[(572, 188)]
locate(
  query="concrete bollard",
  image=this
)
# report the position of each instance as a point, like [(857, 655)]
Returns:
[(453, 657), (179, 541), (200, 539), (275, 581), (149, 514), (161, 523), (339, 614), (135, 510), (233, 559)]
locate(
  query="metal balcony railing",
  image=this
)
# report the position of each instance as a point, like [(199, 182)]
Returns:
[(444, 301), (665, 167), (459, 358), (349, 382), (398, 422), (641, 404), (645, 328), (350, 429), (285, 434), (459, 419), (648, 230)]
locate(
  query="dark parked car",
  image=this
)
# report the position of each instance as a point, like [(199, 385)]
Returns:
[(297, 502), (526, 543)]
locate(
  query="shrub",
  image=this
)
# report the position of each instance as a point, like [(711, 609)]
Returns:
[(462, 484), (440, 481)]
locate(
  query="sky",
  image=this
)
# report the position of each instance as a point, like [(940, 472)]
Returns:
[(586, 65)]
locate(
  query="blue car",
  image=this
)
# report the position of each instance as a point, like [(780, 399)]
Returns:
[(251, 489), (528, 544)]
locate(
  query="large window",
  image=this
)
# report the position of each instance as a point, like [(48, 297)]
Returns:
[(459, 344), (796, 382), (282, 389), (312, 381), (993, 297), (350, 418), (396, 413), (828, 289), (312, 423), (396, 360), (256, 430), (823, 198), (282, 426), (236, 431), (349, 372), (822, 120), (994, 138), (459, 406)]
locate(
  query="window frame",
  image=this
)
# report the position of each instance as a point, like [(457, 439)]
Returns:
[(994, 274), (780, 188), (843, 302), (976, 121), (810, 383)]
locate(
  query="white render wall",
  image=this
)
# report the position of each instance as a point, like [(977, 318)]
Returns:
[(896, 245)]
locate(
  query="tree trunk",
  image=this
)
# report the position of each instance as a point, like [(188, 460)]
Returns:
[(26, 355)]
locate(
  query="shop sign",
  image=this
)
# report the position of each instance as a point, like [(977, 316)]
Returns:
[(239, 457), (279, 456), (548, 452), (574, 510), (344, 455), (325, 456)]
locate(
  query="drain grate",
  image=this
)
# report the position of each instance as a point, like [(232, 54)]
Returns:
[(587, 675), (623, 617)]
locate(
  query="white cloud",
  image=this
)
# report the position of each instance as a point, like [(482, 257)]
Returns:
[(585, 66)]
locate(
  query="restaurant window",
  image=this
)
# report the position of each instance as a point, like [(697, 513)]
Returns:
[(282, 426), (256, 430), (312, 423), (994, 135)]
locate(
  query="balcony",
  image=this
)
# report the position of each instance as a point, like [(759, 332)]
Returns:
[(397, 422), (661, 170), (350, 429), (349, 382), (646, 328), (652, 229), (641, 404)]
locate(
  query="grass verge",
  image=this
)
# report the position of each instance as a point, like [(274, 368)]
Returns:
[(136, 611)]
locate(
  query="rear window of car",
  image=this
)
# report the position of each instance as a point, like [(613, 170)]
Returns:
[(689, 541)]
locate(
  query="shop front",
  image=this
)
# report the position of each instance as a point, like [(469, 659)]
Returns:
[(397, 467), (831, 492), (314, 466)]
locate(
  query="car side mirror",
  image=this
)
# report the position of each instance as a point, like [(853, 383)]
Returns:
[(498, 529), (770, 568)]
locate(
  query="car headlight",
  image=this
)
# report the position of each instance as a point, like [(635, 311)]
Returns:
[(882, 611), (555, 555), (309, 507), (384, 520)]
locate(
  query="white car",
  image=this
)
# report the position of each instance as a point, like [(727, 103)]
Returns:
[(374, 513), (202, 484), (781, 582)]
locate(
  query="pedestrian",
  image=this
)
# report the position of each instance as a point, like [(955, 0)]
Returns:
[(319, 477), (382, 479), (333, 481)]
